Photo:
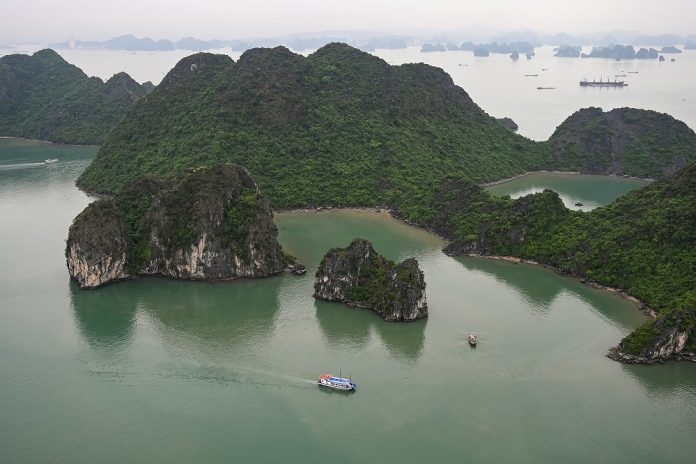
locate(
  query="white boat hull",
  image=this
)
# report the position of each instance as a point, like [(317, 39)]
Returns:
[(342, 386)]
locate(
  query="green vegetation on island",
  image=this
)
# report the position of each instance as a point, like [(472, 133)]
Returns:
[(359, 276), (210, 223), (44, 97), (642, 244), (628, 141), (344, 128), (339, 127)]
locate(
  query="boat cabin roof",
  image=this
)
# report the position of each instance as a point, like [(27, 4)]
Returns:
[(331, 378)]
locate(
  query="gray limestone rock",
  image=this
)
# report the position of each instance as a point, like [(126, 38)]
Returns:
[(358, 276), (210, 223)]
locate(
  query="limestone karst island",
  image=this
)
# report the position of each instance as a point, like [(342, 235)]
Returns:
[(317, 231)]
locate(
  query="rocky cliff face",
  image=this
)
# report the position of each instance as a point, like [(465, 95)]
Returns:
[(359, 276), (212, 223), (670, 336), (97, 245)]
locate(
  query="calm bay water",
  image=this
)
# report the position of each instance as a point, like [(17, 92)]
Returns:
[(496, 83), (155, 370), (592, 191)]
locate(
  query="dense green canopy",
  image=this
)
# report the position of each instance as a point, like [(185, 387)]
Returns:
[(643, 243), (344, 128), (43, 97)]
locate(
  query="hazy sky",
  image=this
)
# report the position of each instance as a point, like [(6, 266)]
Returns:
[(50, 20)]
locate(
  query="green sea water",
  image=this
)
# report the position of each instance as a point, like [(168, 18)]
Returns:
[(155, 370), (577, 191)]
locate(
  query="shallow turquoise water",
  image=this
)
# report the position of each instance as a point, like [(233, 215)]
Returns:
[(155, 370), (589, 190)]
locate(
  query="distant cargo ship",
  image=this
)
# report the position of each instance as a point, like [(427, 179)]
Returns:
[(602, 83)]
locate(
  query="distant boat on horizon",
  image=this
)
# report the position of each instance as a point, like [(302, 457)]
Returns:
[(602, 83)]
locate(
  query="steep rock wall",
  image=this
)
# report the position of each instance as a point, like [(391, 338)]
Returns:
[(211, 223), (359, 276)]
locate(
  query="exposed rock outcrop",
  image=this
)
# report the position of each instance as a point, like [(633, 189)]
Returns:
[(670, 336), (210, 223), (98, 245), (358, 276), (508, 123)]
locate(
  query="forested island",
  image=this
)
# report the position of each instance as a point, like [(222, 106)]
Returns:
[(641, 244), (359, 276), (44, 97), (480, 49), (209, 223), (341, 127), (623, 141), (627, 52)]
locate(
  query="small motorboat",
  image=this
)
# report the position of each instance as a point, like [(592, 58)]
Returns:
[(577, 203), (337, 383), (51, 160), (472, 339)]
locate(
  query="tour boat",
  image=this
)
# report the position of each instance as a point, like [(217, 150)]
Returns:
[(473, 339), (337, 383), (51, 160)]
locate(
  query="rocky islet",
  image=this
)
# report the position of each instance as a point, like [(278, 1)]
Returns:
[(359, 276), (212, 223)]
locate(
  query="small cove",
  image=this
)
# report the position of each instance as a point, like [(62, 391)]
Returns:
[(590, 190)]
